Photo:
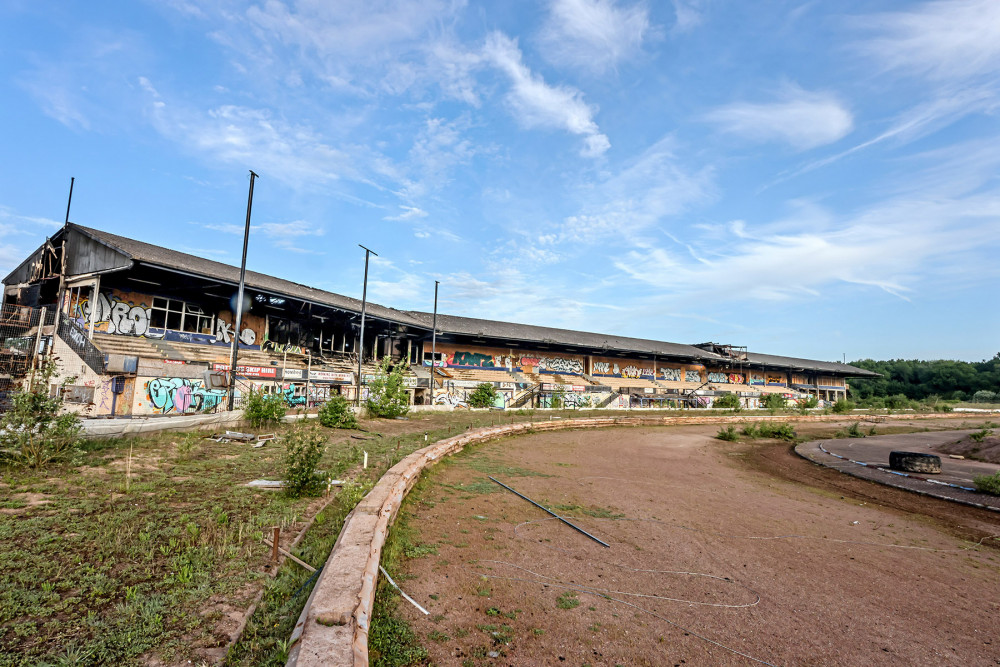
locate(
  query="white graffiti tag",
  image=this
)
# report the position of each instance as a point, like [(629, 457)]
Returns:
[(561, 365), (124, 319)]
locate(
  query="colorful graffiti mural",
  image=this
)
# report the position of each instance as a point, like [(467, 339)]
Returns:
[(720, 378), (692, 376), (671, 374), (736, 378), (776, 380), (756, 379), (561, 365), (182, 395), (117, 317)]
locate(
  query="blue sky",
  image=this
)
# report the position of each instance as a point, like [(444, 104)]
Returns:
[(803, 178)]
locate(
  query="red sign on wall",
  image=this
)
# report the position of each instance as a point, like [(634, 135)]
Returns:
[(250, 371)]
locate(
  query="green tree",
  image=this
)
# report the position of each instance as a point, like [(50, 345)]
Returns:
[(337, 413), (304, 447), (387, 395), (772, 402), (484, 396), (32, 432), (728, 402), (261, 409)]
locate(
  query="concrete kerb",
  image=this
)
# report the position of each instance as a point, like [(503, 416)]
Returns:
[(333, 627)]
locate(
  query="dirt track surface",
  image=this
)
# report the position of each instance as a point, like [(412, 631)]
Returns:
[(772, 558)]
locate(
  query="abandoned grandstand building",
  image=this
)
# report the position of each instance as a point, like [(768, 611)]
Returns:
[(145, 330)]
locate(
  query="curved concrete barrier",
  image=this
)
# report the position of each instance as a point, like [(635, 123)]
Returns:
[(333, 626)]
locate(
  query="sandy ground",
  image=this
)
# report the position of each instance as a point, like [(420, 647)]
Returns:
[(721, 554)]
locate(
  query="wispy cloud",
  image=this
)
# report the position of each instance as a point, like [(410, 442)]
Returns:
[(409, 213), (281, 234), (593, 34), (939, 40), (798, 117), (537, 104), (650, 189), (688, 14)]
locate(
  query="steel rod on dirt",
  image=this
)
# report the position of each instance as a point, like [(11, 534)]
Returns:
[(545, 509)]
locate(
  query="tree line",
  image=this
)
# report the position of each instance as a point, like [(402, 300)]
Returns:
[(918, 380)]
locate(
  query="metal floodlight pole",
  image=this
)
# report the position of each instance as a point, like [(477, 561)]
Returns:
[(69, 202), (434, 330), (361, 335), (239, 299)]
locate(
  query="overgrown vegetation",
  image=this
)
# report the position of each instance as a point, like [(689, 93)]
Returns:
[(776, 430), (728, 433), (843, 407), (32, 432), (337, 413), (304, 447), (773, 402), (728, 402), (484, 396), (979, 436), (262, 409), (988, 483), (387, 395), (806, 404)]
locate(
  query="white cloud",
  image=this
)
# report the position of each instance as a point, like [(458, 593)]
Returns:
[(537, 104), (409, 213), (280, 234), (688, 14), (644, 193), (939, 40), (593, 34), (800, 118)]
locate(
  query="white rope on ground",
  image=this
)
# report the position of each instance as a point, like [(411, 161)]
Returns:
[(597, 592), (407, 597)]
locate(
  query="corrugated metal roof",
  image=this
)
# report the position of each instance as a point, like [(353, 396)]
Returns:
[(174, 260), (180, 261)]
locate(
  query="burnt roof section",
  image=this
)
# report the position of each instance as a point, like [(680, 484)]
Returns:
[(469, 326), (174, 260)]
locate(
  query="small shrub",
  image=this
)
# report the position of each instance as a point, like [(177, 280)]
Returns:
[(751, 430), (843, 407), (387, 395), (854, 430), (728, 402), (568, 600), (261, 409), (337, 413), (729, 434), (773, 402), (807, 404), (988, 483), (32, 431), (776, 430), (979, 436), (304, 447), (484, 396)]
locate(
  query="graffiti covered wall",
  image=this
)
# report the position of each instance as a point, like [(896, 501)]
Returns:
[(124, 313), (503, 359), (166, 395), (644, 369)]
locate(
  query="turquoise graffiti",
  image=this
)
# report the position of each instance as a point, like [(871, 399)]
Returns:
[(182, 395), (472, 359)]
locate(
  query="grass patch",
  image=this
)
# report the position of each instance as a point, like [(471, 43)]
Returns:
[(568, 600), (988, 483)]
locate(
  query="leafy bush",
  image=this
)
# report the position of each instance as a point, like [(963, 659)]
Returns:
[(777, 430), (728, 433), (897, 402), (806, 404), (988, 483), (979, 436), (304, 447), (772, 402), (337, 413), (843, 406), (387, 396), (484, 396), (261, 409), (751, 430), (852, 431), (728, 402), (32, 432)]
